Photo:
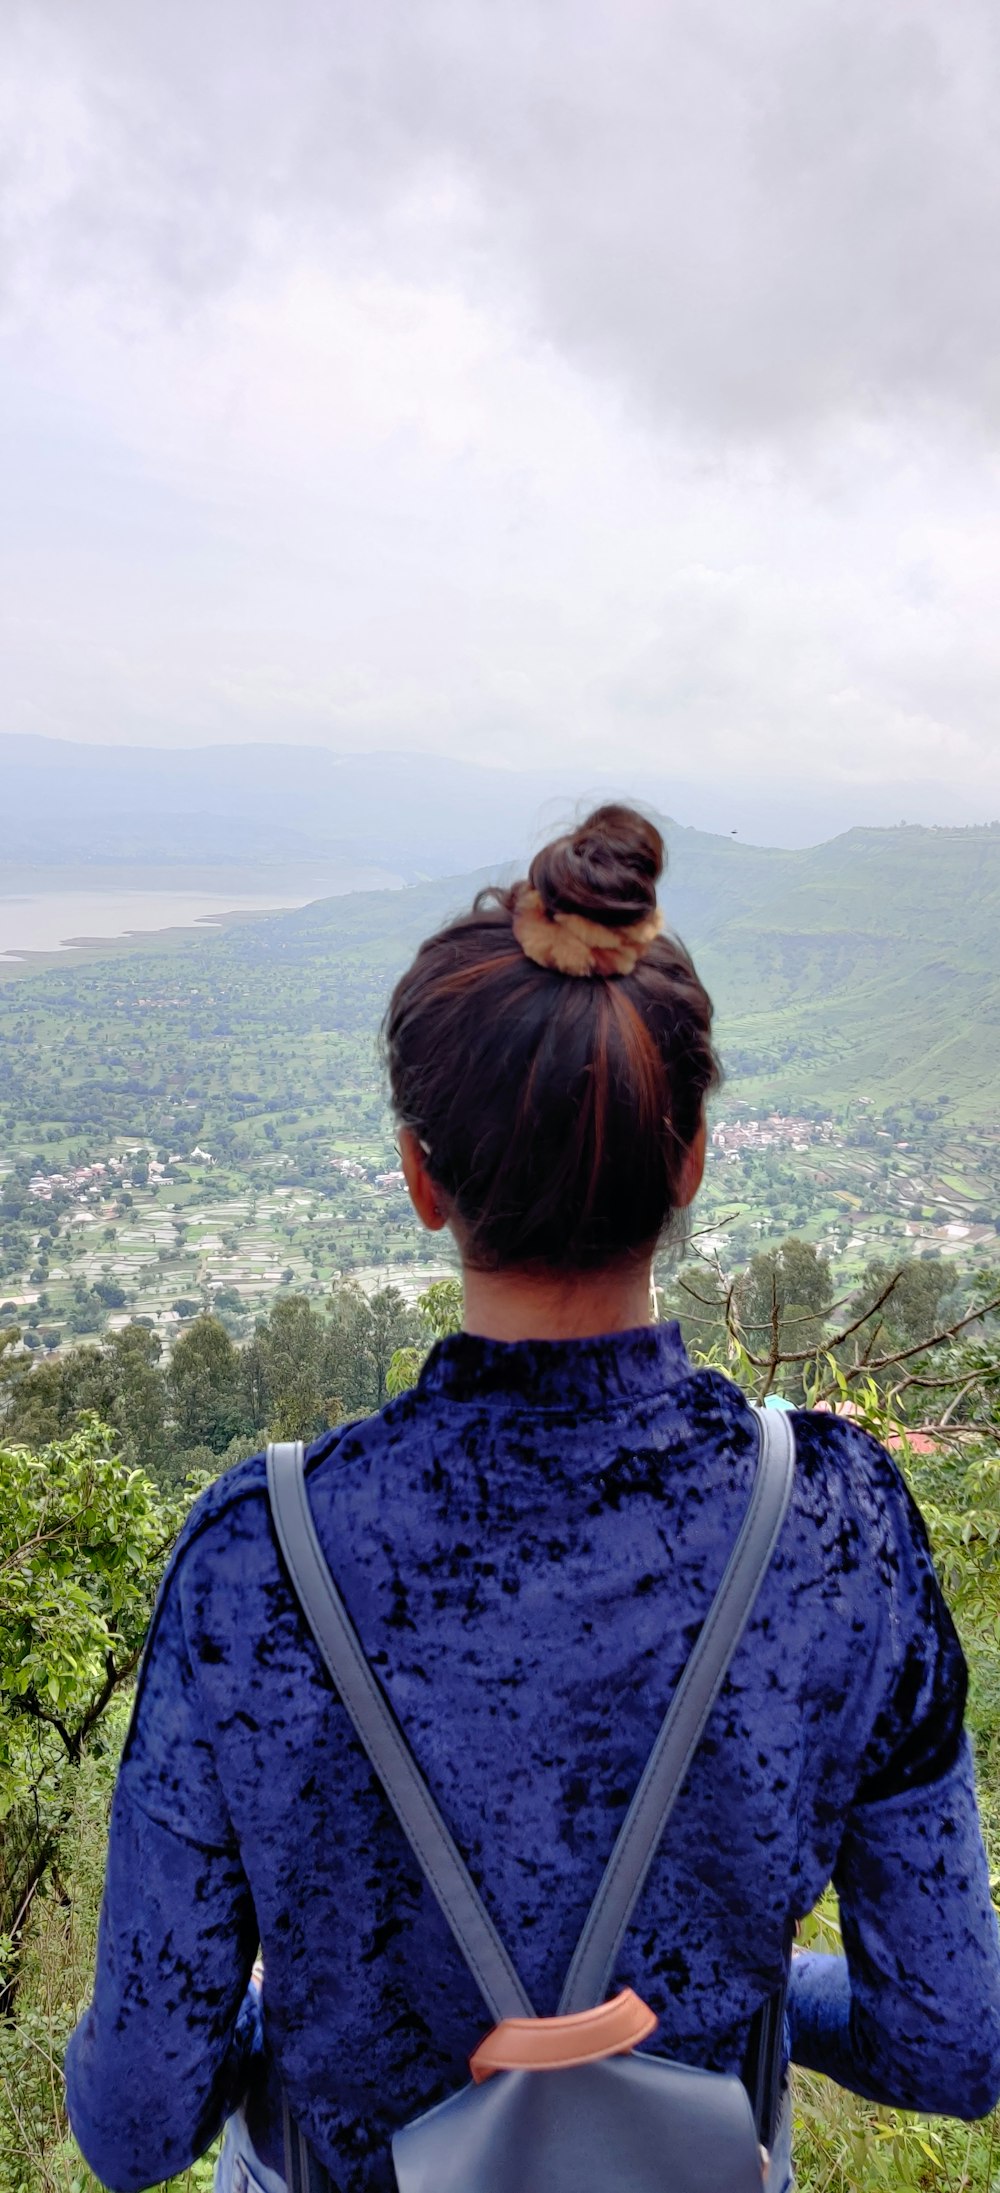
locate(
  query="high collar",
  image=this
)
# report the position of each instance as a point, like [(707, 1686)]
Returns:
[(558, 1374)]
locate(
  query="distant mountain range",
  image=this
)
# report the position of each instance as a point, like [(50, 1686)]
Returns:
[(412, 815), (263, 804)]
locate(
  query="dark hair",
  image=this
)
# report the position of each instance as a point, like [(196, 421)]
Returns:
[(555, 1112)]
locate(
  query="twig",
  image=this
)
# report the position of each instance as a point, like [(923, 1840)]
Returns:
[(867, 1362), (958, 1398), (714, 1227), (934, 1340)]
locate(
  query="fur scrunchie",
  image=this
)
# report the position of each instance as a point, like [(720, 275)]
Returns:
[(572, 945)]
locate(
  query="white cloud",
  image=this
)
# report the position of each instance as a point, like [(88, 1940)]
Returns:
[(601, 382)]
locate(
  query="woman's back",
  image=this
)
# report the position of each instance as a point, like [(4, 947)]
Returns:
[(528, 1545)]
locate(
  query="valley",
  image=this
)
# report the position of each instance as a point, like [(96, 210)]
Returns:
[(200, 1120)]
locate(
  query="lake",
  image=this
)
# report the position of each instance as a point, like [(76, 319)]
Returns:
[(42, 912)]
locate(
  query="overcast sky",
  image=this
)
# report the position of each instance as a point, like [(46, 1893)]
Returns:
[(562, 382)]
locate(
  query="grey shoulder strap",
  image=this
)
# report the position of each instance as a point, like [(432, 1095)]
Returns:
[(666, 1768), (404, 1785)]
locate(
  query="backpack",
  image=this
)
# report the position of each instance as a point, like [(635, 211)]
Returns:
[(564, 2104)]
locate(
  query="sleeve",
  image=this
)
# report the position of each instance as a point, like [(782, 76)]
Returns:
[(910, 2015), (163, 2053)]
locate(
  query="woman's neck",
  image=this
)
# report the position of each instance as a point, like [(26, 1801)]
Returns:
[(555, 1305)]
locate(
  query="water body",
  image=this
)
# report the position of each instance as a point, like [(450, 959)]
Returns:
[(48, 914)]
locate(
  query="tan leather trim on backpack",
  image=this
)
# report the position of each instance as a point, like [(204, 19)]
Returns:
[(550, 2044)]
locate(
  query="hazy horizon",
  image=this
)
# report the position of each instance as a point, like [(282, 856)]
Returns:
[(268, 802)]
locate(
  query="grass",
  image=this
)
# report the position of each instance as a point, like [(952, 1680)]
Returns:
[(842, 2142), (37, 2151)]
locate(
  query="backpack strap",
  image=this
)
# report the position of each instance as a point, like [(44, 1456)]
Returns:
[(382, 1738), (404, 1785), (666, 1768)]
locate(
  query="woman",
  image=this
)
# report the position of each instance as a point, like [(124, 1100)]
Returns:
[(528, 1543)]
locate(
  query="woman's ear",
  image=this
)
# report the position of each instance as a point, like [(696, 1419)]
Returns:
[(692, 1170), (420, 1187)]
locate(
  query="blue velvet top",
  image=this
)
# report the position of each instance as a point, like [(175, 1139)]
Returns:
[(528, 1543)]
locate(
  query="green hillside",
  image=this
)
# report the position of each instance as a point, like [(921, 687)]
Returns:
[(869, 966), (866, 967)]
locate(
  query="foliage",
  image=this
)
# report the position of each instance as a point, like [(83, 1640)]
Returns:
[(367, 1332), (915, 1295), (78, 1498), (441, 1306), (82, 1541), (203, 1385), (404, 1371), (770, 1328), (84, 1536), (260, 1044), (289, 1372), (440, 1309), (298, 1374), (121, 1382)]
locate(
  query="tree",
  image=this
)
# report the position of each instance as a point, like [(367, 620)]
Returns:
[(796, 1276), (915, 1294), (121, 1382), (285, 1377), (12, 1363), (391, 1326), (136, 1402), (203, 1382), (441, 1307), (781, 1303), (83, 1540), (363, 1335)]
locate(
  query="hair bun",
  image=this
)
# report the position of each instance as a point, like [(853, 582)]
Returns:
[(607, 869)]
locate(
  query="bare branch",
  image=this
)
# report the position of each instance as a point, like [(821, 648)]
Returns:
[(30, 1703), (958, 1398), (946, 1378), (872, 1311), (876, 1363), (697, 1232), (775, 1334), (935, 1340), (711, 1302)]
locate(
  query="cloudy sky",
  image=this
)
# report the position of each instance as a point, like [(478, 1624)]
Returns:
[(568, 383)]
